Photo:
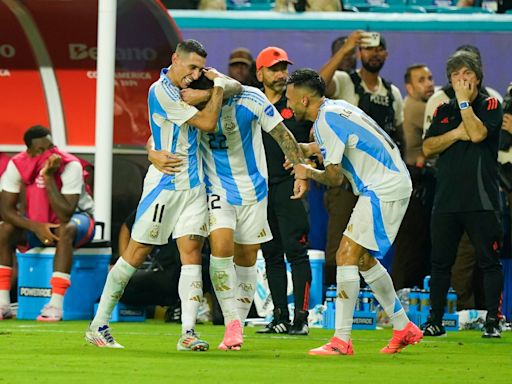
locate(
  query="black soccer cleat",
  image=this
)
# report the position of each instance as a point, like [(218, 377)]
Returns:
[(491, 329)]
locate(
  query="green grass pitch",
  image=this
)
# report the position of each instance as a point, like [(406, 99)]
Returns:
[(32, 352)]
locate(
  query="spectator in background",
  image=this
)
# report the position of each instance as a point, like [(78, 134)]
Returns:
[(465, 134), (339, 199), (58, 213), (412, 245), (287, 218), (466, 277), (308, 5), (365, 88), (241, 66)]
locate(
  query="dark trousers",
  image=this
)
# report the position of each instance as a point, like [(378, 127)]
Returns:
[(484, 231), (339, 203), (411, 262), (288, 222)]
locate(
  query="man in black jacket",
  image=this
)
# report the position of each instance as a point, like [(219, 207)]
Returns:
[(465, 134)]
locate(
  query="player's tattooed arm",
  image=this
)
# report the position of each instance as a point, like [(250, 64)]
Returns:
[(332, 175), (288, 144)]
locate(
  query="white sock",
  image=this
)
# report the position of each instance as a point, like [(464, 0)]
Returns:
[(223, 276), (382, 286), (245, 289), (347, 287), (190, 289), (5, 298), (57, 300), (117, 279)]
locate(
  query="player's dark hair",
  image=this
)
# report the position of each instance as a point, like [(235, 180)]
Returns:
[(35, 132), (191, 46), (308, 78)]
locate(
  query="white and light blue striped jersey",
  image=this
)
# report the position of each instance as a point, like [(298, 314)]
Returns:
[(234, 160), (370, 160), (168, 115)]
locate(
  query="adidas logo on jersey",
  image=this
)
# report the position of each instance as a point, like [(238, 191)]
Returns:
[(262, 233)]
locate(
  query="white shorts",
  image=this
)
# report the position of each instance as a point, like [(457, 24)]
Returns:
[(249, 222), (374, 223), (162, 212)]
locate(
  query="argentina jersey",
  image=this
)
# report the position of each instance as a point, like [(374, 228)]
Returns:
[(168, 115), (370, 160), (234, 160)]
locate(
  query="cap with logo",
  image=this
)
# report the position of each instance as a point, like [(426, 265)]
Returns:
[(240, 55), (271, 56)]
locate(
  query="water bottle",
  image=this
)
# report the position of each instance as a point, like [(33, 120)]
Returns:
[(426, 283), (425, 301), (451, 301), (366, 300), (414, 300), (330, 304)]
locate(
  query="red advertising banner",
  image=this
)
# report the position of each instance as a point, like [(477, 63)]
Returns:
[(60, 37)]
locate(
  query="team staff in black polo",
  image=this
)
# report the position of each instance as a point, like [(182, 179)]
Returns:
[(465, 133), (287, 218)]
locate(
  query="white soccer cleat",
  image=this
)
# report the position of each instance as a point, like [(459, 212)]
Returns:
[(101, 337), (5, 312), (50, 313)]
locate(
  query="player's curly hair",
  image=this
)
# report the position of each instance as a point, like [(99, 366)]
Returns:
[(308, 78)]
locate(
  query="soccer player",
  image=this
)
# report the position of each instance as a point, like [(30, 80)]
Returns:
[(173, 203), (237, 186), (355, 147)]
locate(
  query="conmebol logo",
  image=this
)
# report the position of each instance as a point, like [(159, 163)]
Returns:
[(78, 51)]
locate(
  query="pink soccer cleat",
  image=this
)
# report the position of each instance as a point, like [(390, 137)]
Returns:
[(50, 313), (224, 347), (411, 334), (335, 346), (233, 336)]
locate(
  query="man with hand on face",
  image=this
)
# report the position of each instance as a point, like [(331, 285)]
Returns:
[(171, 203), (58, 213), (465, 134)]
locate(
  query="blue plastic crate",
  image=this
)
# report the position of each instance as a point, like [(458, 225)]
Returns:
[(89, 270)]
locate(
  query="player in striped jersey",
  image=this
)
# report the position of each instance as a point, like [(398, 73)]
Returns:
[(236, 180), (171, 203), (355, 147)]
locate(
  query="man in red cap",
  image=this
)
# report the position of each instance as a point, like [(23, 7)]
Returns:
[(287, 218)]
